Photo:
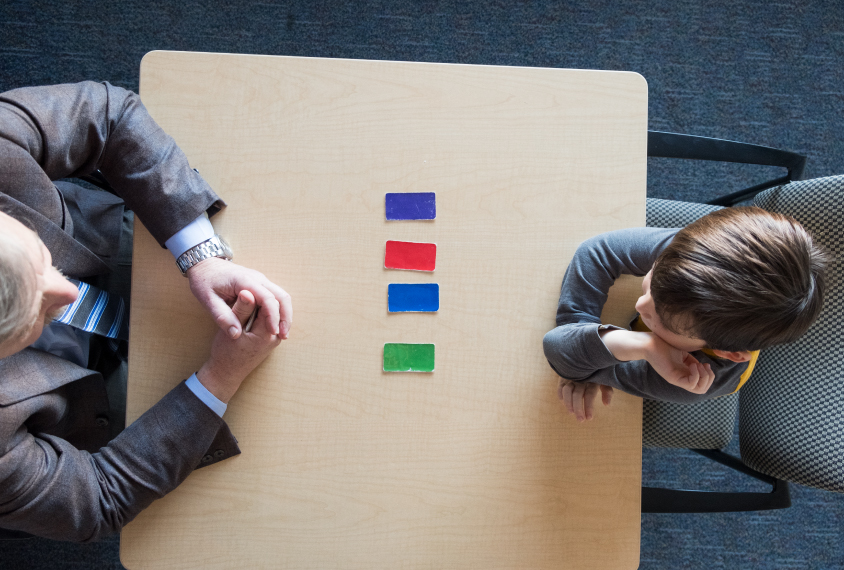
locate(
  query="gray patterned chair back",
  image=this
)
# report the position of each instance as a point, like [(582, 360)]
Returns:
[(704, 425), (791, 413)]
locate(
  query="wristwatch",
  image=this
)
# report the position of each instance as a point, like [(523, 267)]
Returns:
[(212, 247)]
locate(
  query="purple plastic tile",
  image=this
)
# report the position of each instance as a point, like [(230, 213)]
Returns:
[(411, 205)]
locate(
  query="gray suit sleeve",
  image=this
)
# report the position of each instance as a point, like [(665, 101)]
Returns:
[(72, 130), (574, 348), (54, 490)]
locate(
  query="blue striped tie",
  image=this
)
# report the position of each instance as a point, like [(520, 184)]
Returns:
[(97, 311)]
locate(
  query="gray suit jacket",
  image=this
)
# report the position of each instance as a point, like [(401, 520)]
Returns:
[(60, 477)]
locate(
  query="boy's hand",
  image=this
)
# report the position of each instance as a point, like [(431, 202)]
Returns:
[(679, 368), (579, 397)]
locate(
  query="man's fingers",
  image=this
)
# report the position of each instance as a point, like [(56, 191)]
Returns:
[(224, 316), (286, 316), (276, 307), (270, 314), (243, 306), (285, 308), (269, 306)]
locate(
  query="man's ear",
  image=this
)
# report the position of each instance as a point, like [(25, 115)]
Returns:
[(736, 356)]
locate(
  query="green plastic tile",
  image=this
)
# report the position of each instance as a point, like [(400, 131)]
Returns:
[(400, 357)]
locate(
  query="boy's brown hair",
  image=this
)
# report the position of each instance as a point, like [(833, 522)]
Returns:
[(740, 279)]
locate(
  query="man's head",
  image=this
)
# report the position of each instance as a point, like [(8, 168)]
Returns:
[(32, 291), (739, 279)]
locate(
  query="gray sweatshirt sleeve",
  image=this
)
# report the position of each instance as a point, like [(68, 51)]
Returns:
[(574, 348)]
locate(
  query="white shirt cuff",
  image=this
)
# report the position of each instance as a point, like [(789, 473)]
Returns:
[(192, 234), (207, 397)]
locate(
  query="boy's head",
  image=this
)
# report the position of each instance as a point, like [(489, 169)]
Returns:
[(740, 279)]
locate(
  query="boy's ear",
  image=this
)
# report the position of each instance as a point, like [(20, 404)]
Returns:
[(736, 356)]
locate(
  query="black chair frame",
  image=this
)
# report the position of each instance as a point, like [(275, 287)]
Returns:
[(673, 145), (657, 500)]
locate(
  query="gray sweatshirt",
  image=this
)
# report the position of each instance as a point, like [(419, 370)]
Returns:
[(574, 348)]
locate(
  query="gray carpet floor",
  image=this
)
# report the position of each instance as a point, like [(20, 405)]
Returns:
[(763, 72)]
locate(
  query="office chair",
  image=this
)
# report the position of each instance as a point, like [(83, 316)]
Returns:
[(792, 409)]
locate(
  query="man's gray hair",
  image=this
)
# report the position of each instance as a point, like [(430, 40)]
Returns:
[(16, 288)]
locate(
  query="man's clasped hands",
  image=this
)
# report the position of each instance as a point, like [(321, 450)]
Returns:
[(230, 293)]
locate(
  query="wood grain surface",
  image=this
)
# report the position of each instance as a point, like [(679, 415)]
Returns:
[(472, 466)]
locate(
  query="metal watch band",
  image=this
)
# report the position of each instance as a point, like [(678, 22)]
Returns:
[(212, 247)]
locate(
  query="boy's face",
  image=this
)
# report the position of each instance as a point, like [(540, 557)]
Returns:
[(645, 306)]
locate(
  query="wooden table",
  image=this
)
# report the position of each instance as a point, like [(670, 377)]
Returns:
[(474, 465)]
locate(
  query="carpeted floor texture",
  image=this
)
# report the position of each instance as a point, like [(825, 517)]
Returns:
[(770, 73)]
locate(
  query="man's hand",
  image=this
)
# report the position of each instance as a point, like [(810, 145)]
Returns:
[(579, 397), (216, 283), (678, 367), (232, 360)]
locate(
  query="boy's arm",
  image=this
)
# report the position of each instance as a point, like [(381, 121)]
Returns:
[(598, 262), (677, 367), (574, 348), (635, 377), (638, 378)]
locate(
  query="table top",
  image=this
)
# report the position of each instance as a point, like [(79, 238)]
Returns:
[(343, 465)]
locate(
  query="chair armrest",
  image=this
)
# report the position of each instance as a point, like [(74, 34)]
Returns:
[(674, 145)]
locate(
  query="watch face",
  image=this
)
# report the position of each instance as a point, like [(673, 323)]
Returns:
[(227, 250)]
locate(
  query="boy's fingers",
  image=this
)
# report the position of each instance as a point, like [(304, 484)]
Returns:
[(567, 397), (577, 400), (704, 379), (606, 394), (705, 374), (694, 378), (589, 399), (689, 359), (710, 376)]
